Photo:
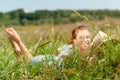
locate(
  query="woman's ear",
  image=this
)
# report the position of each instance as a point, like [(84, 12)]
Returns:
[(74, 41)]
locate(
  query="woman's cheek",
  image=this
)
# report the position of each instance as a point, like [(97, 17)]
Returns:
[(84, 47)]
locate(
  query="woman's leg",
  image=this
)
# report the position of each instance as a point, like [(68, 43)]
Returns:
[(16, 48), (17, 44)]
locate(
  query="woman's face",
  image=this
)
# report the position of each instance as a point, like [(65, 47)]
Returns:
[(83, 40)]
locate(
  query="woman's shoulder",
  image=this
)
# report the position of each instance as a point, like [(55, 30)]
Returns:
[(64, 50), (65, 46)]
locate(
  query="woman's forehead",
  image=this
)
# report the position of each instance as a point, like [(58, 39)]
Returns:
[(83, 32)]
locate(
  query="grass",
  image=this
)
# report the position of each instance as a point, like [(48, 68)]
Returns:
[(45, 39)]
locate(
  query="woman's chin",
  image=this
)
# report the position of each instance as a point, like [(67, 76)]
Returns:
[(85, 48)]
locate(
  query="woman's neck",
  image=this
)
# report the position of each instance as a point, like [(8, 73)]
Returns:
[(81, 51), (84, 53)]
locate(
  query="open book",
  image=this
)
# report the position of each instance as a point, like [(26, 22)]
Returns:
[(99, 38)]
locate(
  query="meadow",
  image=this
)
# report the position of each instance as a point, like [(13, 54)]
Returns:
[(46, 39)]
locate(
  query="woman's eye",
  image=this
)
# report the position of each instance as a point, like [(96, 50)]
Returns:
[(81, 37)]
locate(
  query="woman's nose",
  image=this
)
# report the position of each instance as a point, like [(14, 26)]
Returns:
[(85, 39)]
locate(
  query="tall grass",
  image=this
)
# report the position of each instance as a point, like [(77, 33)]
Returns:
[(46, 39)]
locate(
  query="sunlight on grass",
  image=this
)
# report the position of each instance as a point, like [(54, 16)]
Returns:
[(46, 39)]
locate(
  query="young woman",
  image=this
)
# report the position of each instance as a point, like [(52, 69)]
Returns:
[(80, 41)]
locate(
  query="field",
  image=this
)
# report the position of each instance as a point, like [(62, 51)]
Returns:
[(46, 39)]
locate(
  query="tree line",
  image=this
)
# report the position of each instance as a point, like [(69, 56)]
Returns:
[(20, 17)]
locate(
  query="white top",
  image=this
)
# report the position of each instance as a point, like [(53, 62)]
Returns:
[(63, 51)]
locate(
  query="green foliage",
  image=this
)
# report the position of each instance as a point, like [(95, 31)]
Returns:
[(19, 17), (105, 63)]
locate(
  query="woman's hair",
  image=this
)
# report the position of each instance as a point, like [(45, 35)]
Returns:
[(75, 31)]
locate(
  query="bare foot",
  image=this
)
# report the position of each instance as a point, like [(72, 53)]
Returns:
[(12, 34)]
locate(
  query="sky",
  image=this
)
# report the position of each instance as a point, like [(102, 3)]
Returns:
[(33, 5)]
